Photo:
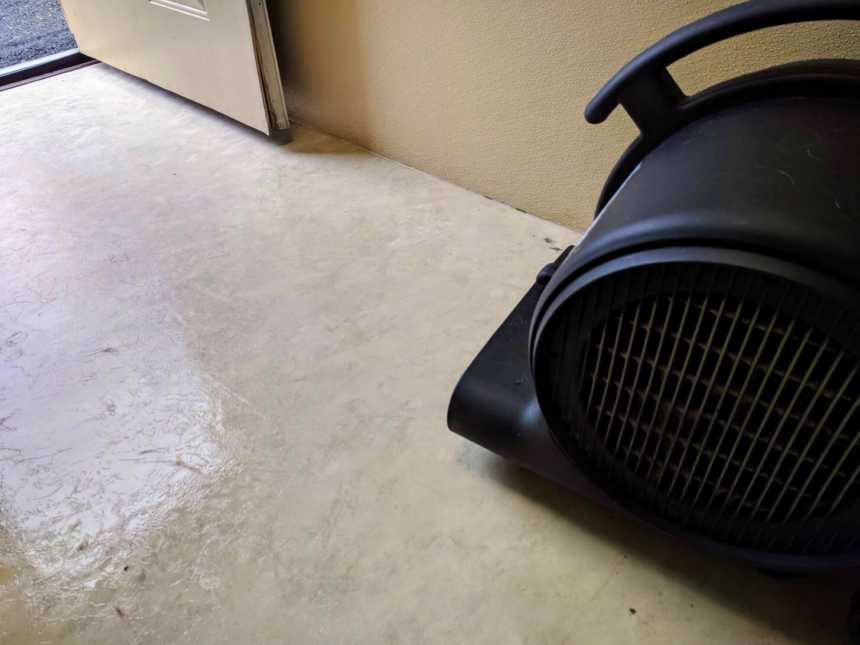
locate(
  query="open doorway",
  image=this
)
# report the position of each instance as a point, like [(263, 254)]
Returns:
[(220, 54), (34, 40), (32, 29)]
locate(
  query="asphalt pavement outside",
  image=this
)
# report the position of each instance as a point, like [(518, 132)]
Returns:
[(31, 29)]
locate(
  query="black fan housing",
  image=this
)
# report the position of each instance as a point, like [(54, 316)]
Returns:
[(695, 361)]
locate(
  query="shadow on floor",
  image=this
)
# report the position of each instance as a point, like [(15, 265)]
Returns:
[(301, 140), (805, 609)]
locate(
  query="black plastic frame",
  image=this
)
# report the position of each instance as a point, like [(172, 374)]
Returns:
[(646, 90), (832, 288), (495, 405), (830, 78)]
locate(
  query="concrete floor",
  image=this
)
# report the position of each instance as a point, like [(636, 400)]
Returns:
[(225, 366)]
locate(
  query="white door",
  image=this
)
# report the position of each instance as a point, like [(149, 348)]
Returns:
[(218, 53)]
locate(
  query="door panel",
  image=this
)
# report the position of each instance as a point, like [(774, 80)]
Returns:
[(191, 7), (204, 50)]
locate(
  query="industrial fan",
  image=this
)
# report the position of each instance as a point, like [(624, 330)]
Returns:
[(694, 363)]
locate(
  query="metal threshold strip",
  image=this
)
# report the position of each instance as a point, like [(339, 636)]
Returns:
[(39, 68)]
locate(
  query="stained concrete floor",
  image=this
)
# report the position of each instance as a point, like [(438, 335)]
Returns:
[(225, 365)]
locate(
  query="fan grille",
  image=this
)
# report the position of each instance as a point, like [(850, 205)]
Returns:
[(721, 398)]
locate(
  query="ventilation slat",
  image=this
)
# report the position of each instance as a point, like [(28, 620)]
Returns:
[(718, 399), (701, 367), (742, 430), (842, 459), (635, 386), (664, 381), (683, 415), (836, 435), (623, 377), (648, 386), (809, 441), (763, 460), (613, 353)]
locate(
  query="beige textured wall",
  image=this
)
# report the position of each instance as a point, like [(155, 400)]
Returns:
[(489, 93)]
